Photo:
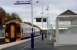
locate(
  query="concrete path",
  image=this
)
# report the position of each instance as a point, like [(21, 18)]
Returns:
[(40, 45)]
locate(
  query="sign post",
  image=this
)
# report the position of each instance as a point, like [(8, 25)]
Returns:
[(42, 24)]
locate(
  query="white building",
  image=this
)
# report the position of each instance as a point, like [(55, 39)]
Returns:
[(41, 22), (66, 20)]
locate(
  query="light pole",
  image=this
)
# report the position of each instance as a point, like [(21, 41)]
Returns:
[(32, 34), (42, 24), (47, 27), (47, 19), (31, 3)]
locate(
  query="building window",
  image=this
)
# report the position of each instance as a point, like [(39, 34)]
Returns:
[(44, 19), (38, 19)]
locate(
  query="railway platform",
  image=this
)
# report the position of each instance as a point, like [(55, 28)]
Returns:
[(26, 44), (39, 44)]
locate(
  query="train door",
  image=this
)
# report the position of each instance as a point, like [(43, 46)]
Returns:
[(7, 33), (12, 33), (18, 32)]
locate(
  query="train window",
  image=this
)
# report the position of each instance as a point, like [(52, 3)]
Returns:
[(18, 30), (44, 19), (7, 28)]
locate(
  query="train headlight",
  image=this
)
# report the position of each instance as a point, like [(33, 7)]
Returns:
[(6, 34), (4, 25)]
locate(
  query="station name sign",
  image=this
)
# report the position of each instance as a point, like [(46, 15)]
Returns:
[(23, 2)]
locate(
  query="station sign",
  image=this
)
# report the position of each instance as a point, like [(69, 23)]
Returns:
[(22, 2)]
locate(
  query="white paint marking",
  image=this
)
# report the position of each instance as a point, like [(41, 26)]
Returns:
[(15, 43)]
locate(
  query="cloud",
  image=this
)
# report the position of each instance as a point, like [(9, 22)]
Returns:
[(55, 8)]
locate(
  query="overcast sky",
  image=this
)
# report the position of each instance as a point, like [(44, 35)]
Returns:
[(55, 8)]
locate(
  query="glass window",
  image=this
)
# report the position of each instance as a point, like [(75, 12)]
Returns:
[(38, 19), (44, 19)]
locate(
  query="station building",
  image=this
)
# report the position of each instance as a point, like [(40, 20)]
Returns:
[(66, 21)]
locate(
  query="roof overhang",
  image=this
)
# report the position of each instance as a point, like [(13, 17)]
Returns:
[(15, 21), (66, 17)]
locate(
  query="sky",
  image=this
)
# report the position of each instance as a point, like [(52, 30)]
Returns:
[(55, 8)]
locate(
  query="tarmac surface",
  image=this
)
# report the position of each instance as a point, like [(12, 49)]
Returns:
[(41, 45), (2, 41)]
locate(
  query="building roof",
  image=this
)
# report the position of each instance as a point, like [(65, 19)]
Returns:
[(67, 15), (68, 12)]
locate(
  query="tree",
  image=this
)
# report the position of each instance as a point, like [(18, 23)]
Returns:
[(8, 17), (14, 16), (2, 15)]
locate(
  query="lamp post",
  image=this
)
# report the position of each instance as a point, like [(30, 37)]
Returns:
[(31, 3), (47, 9), (42, 24), (32, 34)]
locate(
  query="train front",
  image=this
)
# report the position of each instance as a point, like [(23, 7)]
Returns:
[(12, 32)]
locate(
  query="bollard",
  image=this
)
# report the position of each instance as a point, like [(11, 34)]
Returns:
[(32, 40), (42, 36), (45, 35)]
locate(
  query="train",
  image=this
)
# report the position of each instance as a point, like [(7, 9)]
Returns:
[(26, 30), (16, 30)]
